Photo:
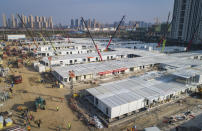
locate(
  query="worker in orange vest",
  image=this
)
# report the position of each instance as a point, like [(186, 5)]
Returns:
[(28, 128)]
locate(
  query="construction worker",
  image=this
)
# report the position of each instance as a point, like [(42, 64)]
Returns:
[(57, 108), (11, 90), (39, 123), (12, 84), (25, 123), (68, 126), (59, 128), (28, 128)]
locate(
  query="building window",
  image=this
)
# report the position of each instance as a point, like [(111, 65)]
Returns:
[(96, 101), (77, 78), (107, 112)]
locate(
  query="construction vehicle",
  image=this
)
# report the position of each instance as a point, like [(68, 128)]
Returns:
[(96, 47), (117, 28), (28, 31), (40, 103), (22, 108), (17, 79), (194, 34)]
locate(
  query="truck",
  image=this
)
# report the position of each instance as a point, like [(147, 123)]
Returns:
[(17, 79), (40, 103)]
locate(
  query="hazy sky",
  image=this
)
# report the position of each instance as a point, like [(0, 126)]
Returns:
[(102, 10)]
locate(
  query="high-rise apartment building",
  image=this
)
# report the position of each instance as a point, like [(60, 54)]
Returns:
[(187, 19), (40, 18), (76, 23), (81, 24), (93, 24), (36, 18), (36, 22), (9, 23), (4, 20), (72, 23), (31, 21), (13, 21), (50, 22)]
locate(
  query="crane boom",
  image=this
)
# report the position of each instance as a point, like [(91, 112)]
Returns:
[(92, 38), (44, 41), (163, 39), (55, 51), (194, 34), (28, 31), (114, 33), (166, 31)]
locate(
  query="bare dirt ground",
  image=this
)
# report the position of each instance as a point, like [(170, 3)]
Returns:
[(26, 92), (156, 116)]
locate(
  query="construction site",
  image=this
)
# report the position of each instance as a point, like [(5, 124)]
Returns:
[(87, 84)]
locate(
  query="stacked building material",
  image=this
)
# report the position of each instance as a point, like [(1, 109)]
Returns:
[(8, 122)]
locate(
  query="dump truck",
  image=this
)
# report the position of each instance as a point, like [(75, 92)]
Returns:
[(40, 103)]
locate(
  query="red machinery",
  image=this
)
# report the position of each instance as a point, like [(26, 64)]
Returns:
[(92, 38), (17, 79), (114, 33), (194, 34)]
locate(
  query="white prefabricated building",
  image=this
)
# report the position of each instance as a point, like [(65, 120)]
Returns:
[(119, 98)]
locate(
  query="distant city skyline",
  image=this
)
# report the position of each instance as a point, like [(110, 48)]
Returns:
[(22, 21), (105, 11)]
